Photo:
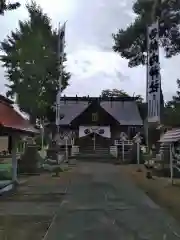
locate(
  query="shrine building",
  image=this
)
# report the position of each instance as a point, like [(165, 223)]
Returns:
[(98, 121)]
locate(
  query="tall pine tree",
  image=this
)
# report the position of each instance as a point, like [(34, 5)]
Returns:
[(131, 42), (4, 6)]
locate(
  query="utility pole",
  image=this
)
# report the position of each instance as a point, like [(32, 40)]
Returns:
[(60, 47)]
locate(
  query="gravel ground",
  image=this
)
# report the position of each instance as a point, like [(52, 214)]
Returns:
[(28, 213), (102, 203)]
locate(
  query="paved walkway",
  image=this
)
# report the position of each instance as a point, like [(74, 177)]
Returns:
[(101, 204)]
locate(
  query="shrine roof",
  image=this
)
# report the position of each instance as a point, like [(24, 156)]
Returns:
[(124, 110), (5, 99), (11, 119)]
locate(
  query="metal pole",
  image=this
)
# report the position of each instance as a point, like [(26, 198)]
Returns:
[(66, 149), (153, 18), (14, 159), (123, 150), (138, 155), (94, 140), (60, 79), (60, 63), (171, 164), (147, 83), (147, 73), (42, 135)]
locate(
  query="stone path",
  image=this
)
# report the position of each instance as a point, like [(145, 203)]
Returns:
[(101, 204)]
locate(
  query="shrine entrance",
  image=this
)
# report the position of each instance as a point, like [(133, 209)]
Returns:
[(94, 137), (93, 141)]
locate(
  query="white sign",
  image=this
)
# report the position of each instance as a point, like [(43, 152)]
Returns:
[(66, 137), (154, 78), (103, 131), (137, 138), (123, 136)]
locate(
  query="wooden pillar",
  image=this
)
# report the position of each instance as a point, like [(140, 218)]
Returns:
[(14, 158), (10, 144)]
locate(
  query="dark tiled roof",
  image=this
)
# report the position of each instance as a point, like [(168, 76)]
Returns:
[(125, 112), (71, 109)]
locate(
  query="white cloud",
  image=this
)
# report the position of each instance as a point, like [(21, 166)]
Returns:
[(93, 64), (87, 62)]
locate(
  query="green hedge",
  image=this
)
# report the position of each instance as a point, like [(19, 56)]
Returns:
[(5, 171)]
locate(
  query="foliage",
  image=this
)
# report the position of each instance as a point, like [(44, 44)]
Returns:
[(38, 140), (176, 99), (119, 93), (4, 6), (30, 161), (31, 62), (114, 93), (5, 171), (131, 43), (171, 116)]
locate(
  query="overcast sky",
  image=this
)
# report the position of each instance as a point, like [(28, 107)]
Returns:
[(93, 64)]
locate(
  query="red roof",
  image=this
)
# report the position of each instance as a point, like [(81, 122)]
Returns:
[(10, 118)]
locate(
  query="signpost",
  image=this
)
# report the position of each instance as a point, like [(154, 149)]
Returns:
[(153, 83), (66, 150), (94, 141), (123, 138), (137, 140), (171, 163)]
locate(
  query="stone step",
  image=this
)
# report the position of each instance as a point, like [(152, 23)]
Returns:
[(100, 160), (97, 148), (94, 151), (94, 156)]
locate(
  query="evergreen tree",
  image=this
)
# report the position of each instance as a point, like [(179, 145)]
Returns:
[(131, 42), (31, 62), (4, 6)]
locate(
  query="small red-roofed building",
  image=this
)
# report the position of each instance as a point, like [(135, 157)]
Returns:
[(13, 125)]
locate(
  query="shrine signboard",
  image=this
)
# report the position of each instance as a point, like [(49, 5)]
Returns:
[(154, 77)]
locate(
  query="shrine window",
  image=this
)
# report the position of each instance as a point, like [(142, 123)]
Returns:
[(94, 117)]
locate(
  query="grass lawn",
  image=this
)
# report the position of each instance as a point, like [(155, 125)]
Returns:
[(5, 166), (28, 224), (5, 171)]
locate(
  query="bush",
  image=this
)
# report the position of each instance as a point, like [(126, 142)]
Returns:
[(5, 175), (5, 171), (30, 161)]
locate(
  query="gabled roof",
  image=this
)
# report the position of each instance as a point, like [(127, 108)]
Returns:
[(125, 112), (5, 100), (171, 136), (70, 110), (9, 118)]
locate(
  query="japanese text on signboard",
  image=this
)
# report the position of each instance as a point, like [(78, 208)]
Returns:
[(154, 79)]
